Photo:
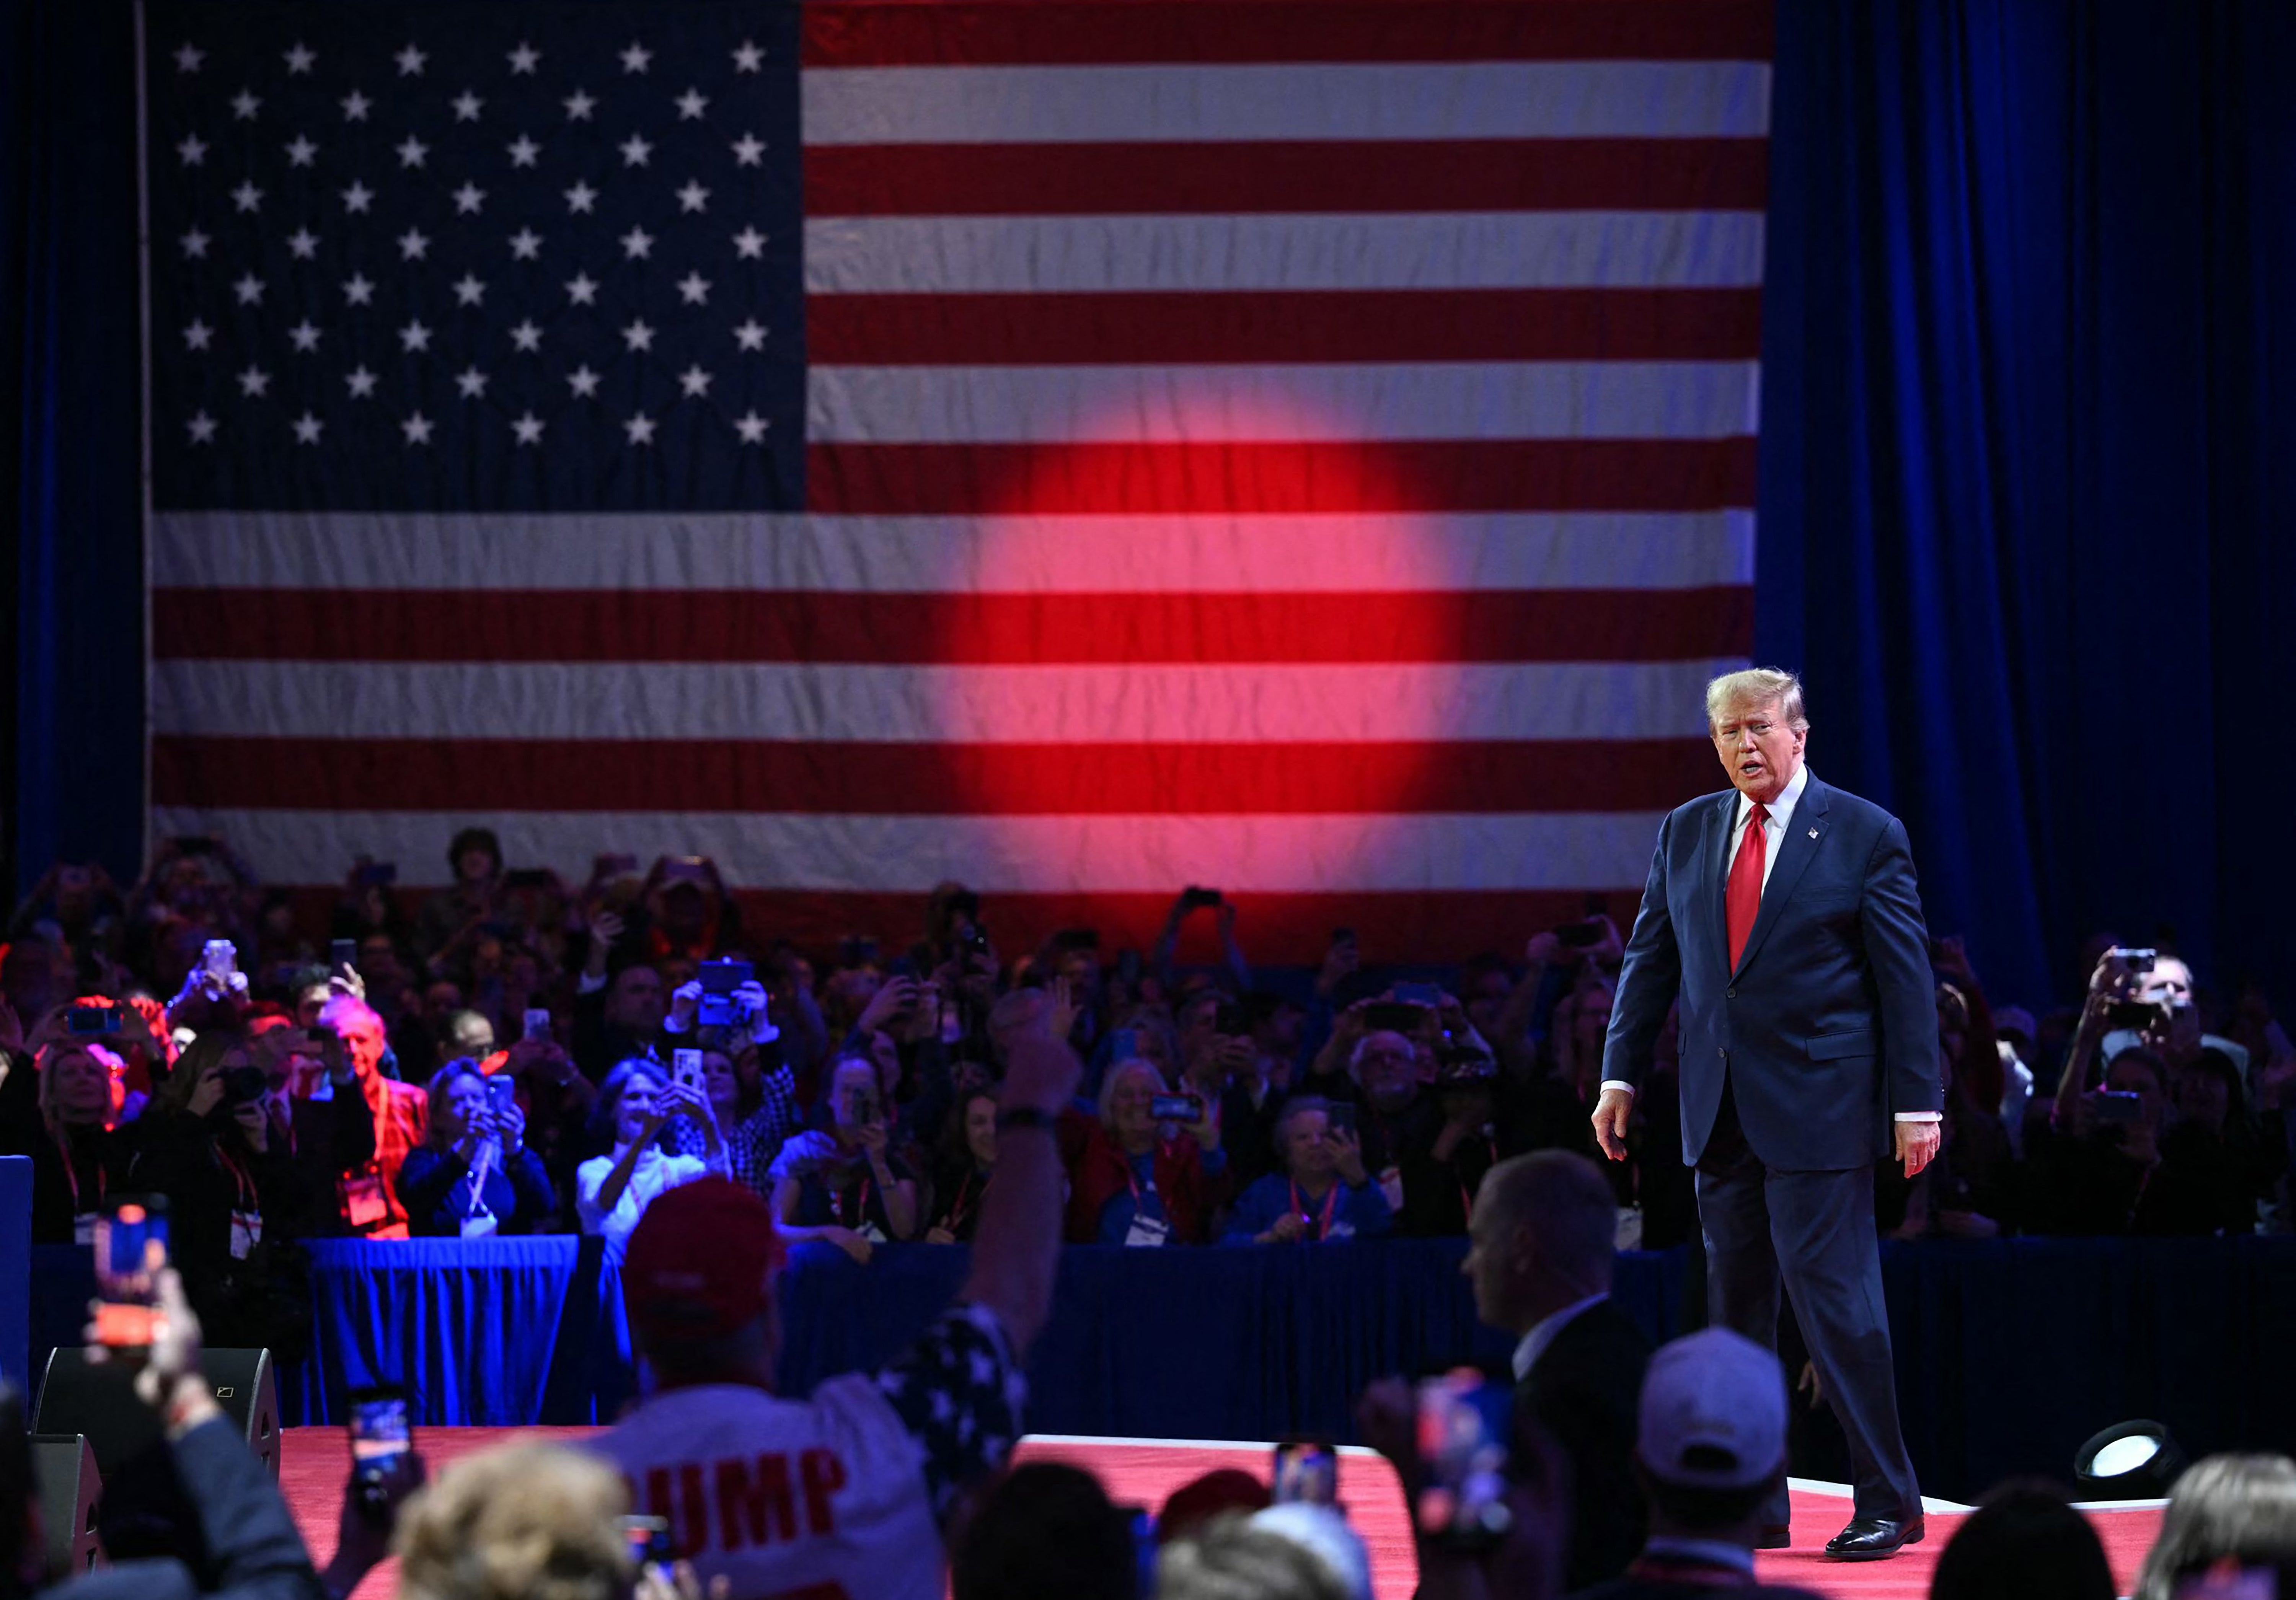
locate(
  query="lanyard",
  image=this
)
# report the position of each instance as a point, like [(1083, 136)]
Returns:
[(243, 1185), (958, 1210), (72, 1178), (1466, 1195), (837, 1200), (1331, 1198)]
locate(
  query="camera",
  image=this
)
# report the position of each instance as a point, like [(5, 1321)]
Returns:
[(1464, 1067), (94, 1020), (1177, 1108), (720, 1007), (242, 1086)]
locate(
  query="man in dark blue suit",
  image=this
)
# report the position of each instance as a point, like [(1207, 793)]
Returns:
[(1784, 916)]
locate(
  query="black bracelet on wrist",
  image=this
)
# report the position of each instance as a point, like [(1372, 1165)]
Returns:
[(1024, 1116)]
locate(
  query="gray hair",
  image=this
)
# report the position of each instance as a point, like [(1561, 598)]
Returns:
[(1757, 686), (1229, 1559), (1293, 1110), (2243, 1507), (1118, 1072), (1564, 1199)]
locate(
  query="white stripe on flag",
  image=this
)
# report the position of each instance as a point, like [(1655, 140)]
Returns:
[(1066, 255), (1392, 400), (1213, 554), (1466, 100), (963, 705), (1251, 854)]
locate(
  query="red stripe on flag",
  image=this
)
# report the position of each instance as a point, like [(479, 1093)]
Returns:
[(1483, 175), (1566, 474), (486, 776), (909, 35), (1466, 324), (958, 629)]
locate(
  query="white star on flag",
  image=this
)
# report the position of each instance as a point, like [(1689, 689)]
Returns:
[(245, 105), (304, 336), (468, 199), (751, 335), (195, 246), (691, 105), (640, 428), (413, 245), (355, 107), (250, 289), (635, 151), (528, 429), (303, 245), (357, 290), (417, 428), (414, 338), (578, 106), (247, 197), (188, 57), (693, 197), (693, 289), (411, 152), (747, 58), (584, 381), (471, 382), (752, 427), (526, 336), (197, 334), (194, 150), (469, 290), (636, 58), (253, 382), (749, 151), (750, 244), (638, 336), (301, 152), (524, 59), (637, 244), (466, 106), (582, 290), (204, 428), (581, 198), (522, 152), (362, 382), (525, 245), (298, 58), (307, 429), (410, 61), (695, 382), (357, 198)]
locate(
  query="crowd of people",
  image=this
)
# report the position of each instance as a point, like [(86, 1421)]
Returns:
[(512, 1055)]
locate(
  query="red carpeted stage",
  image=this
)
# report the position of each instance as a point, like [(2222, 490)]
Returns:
[(1144, 1471)]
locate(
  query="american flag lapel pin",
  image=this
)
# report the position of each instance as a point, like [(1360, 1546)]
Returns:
[(1813, 832)]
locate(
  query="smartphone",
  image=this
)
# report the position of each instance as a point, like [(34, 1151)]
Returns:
[(342, 953), (1463, 1427), (1418, 994), (1306, 1473), (1177, 1108), (2136, 961), (219, 957), (1393, 1016), (685, 1067), (1578, 936), (381, 1437), (648, 1542), (131, 1248), (2117, 1106), (2138, 1015), (501, 1093), (537, 1024), (1341, 1117), (93, 1021), (1124, 1045), (718, 981)]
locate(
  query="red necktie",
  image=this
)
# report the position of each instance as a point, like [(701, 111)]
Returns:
[(1744, 900)]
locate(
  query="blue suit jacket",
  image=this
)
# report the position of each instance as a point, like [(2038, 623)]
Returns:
[(1828, 1027)]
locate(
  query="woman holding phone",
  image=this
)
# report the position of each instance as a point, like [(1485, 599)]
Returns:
[(967, 1164), (473, 1175), (634, 1105), (845, 1185)]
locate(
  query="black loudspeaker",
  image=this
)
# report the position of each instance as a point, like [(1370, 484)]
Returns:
[(71, 1490), (99, 1402)]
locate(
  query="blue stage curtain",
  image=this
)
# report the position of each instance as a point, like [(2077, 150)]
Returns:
[(2025, 473), (70, 439)]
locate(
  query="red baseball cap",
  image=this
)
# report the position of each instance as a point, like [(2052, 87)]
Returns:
[(699, 1263)]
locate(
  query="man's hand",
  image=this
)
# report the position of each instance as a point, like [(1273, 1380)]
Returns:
[(363, 1533), (1040, 1073), (893, 999), (1351, 1156), (1611, 1114), (685, 1002), (169, 1380), (1340, 962), (1918, 1144), (1060, 1008), (852, 1244), (1284, 1229)]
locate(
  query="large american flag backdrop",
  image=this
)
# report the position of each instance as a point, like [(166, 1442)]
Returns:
[(1081, 449)]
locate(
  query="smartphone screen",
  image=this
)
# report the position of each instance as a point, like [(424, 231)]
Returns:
[(501, 1093), (379, 1430), (1463, 1427), (343, 953), (648, 1542), (1306, 1472), (131, 1248), (87, 1021), (686, 1066), (537, 1024)]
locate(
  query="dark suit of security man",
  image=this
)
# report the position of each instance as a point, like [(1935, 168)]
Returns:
[(1784, 915)]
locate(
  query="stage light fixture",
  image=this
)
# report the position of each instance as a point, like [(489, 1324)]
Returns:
[(2129, 1461)]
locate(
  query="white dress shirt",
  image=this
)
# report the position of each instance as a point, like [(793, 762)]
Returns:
[(1773, 837), (1535, 1344)]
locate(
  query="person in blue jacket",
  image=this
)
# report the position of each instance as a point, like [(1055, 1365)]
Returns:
[(1323, 1192)]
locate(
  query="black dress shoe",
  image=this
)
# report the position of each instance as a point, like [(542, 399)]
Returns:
[(1870, 1538), (1775, 1536)]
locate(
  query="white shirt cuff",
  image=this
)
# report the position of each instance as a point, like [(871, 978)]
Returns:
[(1619, 1083), (1920, 1116)]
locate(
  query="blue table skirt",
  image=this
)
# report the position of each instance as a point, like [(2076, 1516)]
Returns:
[(2009, 1353)]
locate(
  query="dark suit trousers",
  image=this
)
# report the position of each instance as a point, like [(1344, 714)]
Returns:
[(1813, 1233)]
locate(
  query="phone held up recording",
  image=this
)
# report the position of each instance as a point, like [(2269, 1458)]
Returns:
[(382, 1438), (1463, 1423), (131, 1250)]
